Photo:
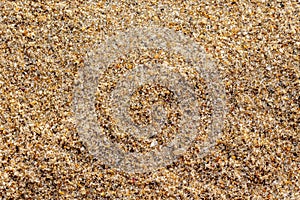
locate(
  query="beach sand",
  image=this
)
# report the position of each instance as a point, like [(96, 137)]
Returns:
[(255, 46)]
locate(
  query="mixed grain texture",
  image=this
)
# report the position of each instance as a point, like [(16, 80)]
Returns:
[(256, 47)]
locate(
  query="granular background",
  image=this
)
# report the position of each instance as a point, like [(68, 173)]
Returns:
[(255, 45)]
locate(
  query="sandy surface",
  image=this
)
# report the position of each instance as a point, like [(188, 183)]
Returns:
[(255, 46)]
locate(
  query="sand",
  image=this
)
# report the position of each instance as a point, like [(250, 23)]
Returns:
[(255, 46)]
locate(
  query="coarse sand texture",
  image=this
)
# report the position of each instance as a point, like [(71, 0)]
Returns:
[(150, 99)]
